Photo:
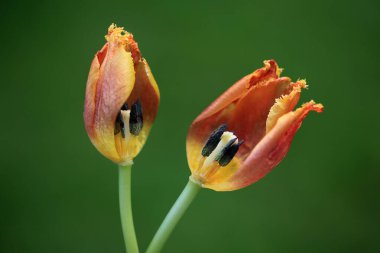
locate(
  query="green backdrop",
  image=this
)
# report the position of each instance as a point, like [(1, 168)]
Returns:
[(58, 194)]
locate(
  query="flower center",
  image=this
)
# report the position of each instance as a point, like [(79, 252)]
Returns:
[(129, 121), (226, 142), (219, 150)]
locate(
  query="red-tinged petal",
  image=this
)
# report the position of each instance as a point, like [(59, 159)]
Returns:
[(116, 81), (269, 151), (101, 55), (89, 101), (270, 71), (146, 90), (251, 112), (91, 86)]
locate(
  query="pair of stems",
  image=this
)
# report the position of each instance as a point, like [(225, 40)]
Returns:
[(163, 233)]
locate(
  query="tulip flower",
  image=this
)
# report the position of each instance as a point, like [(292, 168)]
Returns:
[(247, 131), (121, 99), (240, 137), (121, 103)]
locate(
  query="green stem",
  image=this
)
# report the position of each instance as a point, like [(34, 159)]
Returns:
[(179, 208), (126, 209)]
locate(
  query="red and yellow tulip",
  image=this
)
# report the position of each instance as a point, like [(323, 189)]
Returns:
[(247, 131), (122, 98)]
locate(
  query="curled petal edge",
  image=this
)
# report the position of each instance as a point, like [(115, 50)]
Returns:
[(285, 104)]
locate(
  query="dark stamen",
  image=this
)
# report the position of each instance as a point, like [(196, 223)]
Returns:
[(136, 118), (213, 140), (228, 153), (225, 148), (119, 125), (124, 107)]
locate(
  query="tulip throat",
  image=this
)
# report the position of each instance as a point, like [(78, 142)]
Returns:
[(227, 140), (128, 126), (219, 150), (129, 121)]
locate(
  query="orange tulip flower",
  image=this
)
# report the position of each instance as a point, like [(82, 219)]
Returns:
[(247, 131), (121, 99)]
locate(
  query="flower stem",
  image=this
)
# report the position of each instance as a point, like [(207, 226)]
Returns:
[(176, 212), (126, 209)]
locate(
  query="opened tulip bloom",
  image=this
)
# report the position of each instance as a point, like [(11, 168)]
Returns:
[(240, 137), (121, 103), (121, 99), (247, 131)]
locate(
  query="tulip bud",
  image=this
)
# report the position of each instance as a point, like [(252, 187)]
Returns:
[(121, 100), (247, 131)]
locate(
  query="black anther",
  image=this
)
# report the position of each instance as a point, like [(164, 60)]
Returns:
[(124, 107), (225, 148), (119, 124), (136, 118), (228, 153), (213, 140)]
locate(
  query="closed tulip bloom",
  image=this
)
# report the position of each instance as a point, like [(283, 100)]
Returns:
[(121, 100), (247, 131)]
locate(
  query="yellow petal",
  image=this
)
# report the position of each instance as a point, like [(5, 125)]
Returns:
[(284, 104)]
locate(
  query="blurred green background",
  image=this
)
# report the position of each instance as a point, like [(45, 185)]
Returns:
[(58, 194)]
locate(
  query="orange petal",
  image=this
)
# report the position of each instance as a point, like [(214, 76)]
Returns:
[(269, 151), (248, 120), (89, 101), (146, 90), (240, 88), (116, 81)]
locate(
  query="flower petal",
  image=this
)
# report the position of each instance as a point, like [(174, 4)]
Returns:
[(241, 88), (89, 101), (270, 150), (284, 104), (249, 117), (116, 81)]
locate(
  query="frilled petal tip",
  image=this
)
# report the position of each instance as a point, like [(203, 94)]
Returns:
[(269, 152), (285, 103), (117, 35)]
